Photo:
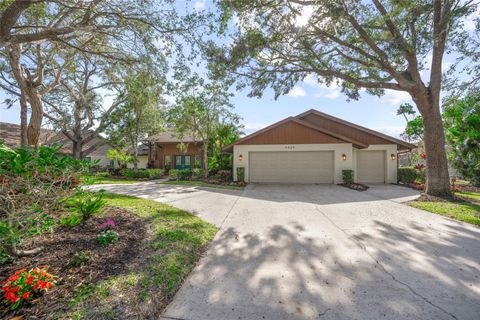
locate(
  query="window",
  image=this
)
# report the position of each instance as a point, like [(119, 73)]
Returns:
[(168, 162), (187, 160), (198, 161)]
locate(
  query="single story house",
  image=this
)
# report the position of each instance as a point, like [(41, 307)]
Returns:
[(314, 147), (168, 151), (95, 149)]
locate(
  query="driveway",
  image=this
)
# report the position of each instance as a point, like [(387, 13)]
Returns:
[(323, 252)]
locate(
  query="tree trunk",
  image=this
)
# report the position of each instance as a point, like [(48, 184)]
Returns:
[(205, 158), (23, 118), (77, 149), (438, 180)]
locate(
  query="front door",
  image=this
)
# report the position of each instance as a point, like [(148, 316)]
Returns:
[(183, 162)]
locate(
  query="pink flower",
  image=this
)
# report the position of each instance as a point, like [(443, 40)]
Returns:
[(109, 224)]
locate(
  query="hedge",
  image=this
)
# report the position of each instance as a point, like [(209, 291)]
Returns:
[(347, 176), (408, 175), (141, 173)]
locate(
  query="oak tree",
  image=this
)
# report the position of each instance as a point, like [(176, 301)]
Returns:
[(373, 45)]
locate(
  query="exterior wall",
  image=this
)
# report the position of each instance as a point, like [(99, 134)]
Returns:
[(344, 130), (390, 165), (104, 161), (142, 162), (291, 133), (164, 149), (338, 148)]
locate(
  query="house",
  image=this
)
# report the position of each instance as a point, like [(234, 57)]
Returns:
[(142, 157), (95, 149), (170, 151), (314, 147)]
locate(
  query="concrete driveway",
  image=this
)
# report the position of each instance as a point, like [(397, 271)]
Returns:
[(323, 252)]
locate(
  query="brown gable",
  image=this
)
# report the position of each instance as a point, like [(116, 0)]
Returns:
[(350, 130), (291, 132)]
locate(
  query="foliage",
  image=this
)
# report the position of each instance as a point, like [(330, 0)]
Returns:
[(241, 174), (107, 237), (224, 175), (121, 157), (224, 135), (462, 123), (176, 174), (140, 115), (371, 45), (33, 186), (414, 129), (407, 175), (347, 176), (197, 173), (23, 284), (70, 220), (88, 203), (79, 259), (142, 173), (202, 109)]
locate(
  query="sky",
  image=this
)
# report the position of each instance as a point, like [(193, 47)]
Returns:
[(377, 113)]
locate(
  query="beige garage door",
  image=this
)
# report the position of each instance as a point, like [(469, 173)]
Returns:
[(291, 167), (371, 166)]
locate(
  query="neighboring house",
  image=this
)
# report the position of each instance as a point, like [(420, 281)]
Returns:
[(315, 147), (95, 149), (142, 156), (169, 151)]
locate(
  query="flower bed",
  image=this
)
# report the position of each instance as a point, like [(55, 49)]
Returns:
[(355, 186), (75, 256)]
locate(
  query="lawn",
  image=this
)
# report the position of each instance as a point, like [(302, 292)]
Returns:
[(463, 211), (174, 243), (472, 195), (202, 184), (106, 180)]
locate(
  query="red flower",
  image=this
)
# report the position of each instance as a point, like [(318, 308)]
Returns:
[(26, 295), (423, 155), (30, 279), (10, 296), (15, 289), (48, 285), (6, 288)]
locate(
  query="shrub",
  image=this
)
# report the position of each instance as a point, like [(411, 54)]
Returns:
[(197, 174), (34, 184), (23, 284), (241, 174), (407, 175), (71, 220), (107, 237), (79, 259), (88, 203), (134, 174), (347, 176), (225, 175), (155, 173), (175, 174)]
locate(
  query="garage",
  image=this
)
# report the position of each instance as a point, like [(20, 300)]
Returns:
[(291, 167), (371, 166)]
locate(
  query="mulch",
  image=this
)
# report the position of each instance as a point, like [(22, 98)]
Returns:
[(355, 186), (105, 260)]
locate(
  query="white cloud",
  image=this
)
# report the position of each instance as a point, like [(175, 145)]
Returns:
[(392, 131), (395, 97), (296, 92), (199, 5), (324, 91), (252, 127)]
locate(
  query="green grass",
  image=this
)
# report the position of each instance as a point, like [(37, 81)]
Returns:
[(106, 180), (471, 195), (201, 184), (177, 243), (463, 211)]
